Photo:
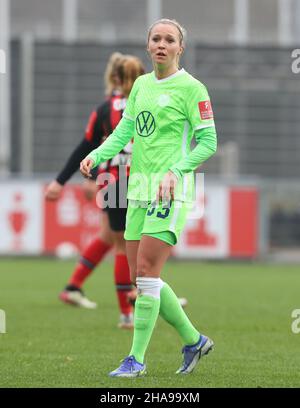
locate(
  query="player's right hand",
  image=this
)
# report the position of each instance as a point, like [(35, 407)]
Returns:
[(86, 166), (166, 189), (53, 191)]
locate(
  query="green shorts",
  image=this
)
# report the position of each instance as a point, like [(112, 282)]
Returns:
[(162, 222)]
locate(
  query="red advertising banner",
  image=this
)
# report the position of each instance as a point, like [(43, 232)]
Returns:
[(227, 226), (70, 222), (244, 234)]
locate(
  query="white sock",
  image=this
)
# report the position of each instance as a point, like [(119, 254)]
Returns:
[(161, 283), (149, 286)]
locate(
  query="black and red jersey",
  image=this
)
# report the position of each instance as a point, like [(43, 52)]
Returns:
[(100, 125)]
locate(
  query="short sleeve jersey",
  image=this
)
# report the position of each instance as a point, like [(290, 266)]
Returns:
[(166, 113)]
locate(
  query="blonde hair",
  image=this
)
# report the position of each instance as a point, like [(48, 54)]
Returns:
[(125, 68), (110, 72), (129, 68), (180, 28)]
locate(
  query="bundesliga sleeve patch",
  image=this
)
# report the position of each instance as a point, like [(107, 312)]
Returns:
[(205, 110)]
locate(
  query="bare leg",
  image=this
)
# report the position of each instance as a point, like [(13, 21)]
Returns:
[(132, 251), (151, 257)]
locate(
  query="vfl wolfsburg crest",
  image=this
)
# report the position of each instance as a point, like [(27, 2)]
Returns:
[(145, 124)]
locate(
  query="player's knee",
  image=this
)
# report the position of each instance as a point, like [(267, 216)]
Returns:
[(144, 268), (106, 237)]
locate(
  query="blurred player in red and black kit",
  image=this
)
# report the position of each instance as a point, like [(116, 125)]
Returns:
[(121, 72)]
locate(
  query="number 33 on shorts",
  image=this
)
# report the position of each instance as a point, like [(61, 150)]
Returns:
[(166, 217), (163, 213), (153, 219)]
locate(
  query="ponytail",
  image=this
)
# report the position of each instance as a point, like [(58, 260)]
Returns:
[(129, 69), (110, 72)]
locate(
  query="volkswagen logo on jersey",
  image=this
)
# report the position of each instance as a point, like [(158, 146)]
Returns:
[(145, 124)]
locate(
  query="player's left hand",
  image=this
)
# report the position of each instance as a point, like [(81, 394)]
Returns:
[(53, 191), (166, 188)]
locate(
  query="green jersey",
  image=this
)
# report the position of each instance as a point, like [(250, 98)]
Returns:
[(165, 113)]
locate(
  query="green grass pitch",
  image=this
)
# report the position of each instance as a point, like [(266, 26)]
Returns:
[(245, 308)]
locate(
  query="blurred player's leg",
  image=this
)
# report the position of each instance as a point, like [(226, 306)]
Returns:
[(123, 287), (117, 220), (90, 258)]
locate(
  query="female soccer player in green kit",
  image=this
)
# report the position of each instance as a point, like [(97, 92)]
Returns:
[(165, 109)]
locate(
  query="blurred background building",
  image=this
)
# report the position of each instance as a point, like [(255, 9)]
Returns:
[(263, 22), (241, 49)]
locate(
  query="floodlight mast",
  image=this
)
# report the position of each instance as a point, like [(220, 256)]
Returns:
[(154, 11), (285, 22), (241, 22), (70, 20)]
